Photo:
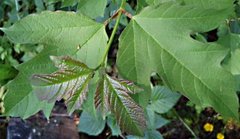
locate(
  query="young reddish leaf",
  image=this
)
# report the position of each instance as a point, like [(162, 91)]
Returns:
[(113, 95), (69, 82)]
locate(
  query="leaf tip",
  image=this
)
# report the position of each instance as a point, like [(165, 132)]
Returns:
[(3, 29)]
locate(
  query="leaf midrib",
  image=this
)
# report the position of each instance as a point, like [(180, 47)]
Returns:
[(47, 29), (123, 106), (79, 92)]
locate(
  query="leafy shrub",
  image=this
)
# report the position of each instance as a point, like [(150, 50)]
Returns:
[(165, 38)]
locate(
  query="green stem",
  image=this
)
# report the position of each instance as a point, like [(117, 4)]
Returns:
[(119, 12), (17, 9), (185, 124)]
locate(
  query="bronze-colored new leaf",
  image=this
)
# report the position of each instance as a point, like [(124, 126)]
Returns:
[(69, 82), (101, 97), (113, 95)]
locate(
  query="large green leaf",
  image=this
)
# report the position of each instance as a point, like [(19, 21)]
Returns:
[(20, 97), (92, 8), (28, 106), (208, 4), (63, 33), (83, 36), (115, 97), (204, 4), (163, 99), (158, 40), (69, 82), (157, 2), (91, 124)]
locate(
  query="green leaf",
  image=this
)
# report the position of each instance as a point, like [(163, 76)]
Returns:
[(69, 82), (140, 5), (157, 2), (149, 134), (158, 40), (88, 105), (91, 124), (154, 120), (204, 4), (163, 99), (19, 95), (63, 29), (86, 7), (153, 135), (39, 4), (112, 123), (47, 109), (130, 116), (231, 63), (235, 26), (238, 81), (62, 33), (142, 97), (210, 4), (6, 73), (27, 106), (89, 114), (66, 3), (230, 41)]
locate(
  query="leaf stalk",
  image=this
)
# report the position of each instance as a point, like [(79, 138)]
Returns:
[(185, 124), (119, 14)]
